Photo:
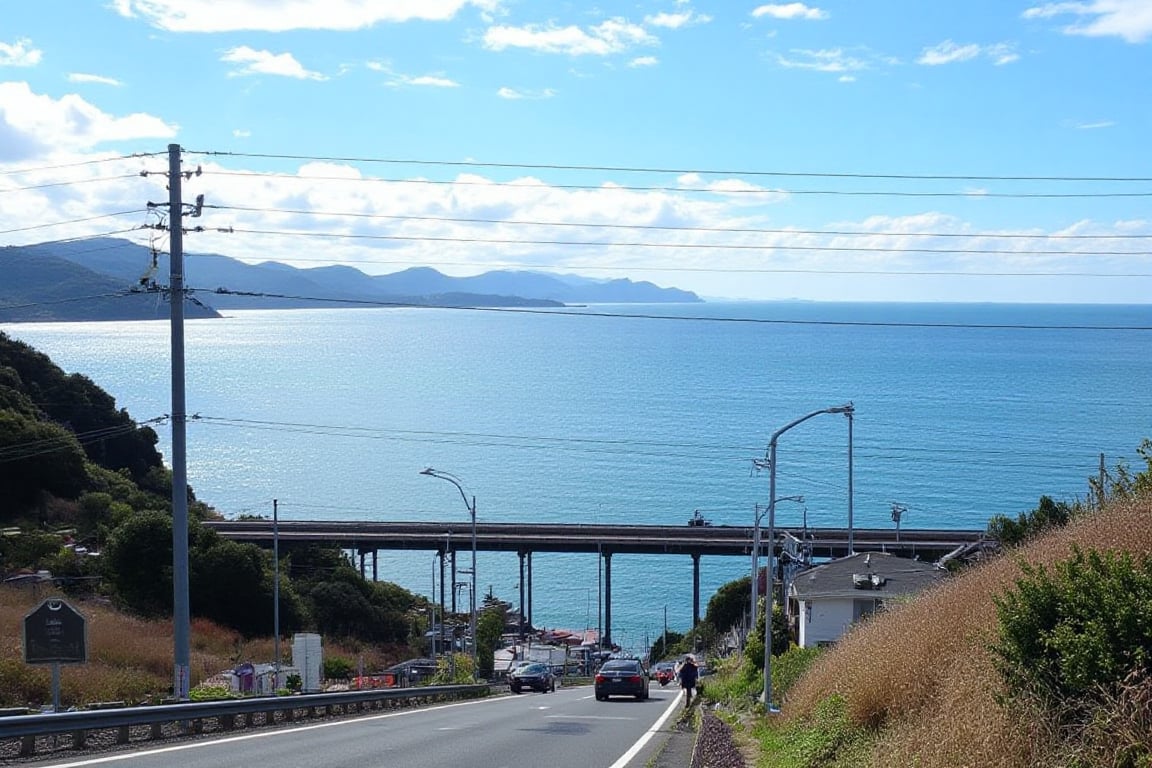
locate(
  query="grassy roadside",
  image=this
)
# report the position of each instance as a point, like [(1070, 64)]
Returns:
[(130, 659), (918, 685)]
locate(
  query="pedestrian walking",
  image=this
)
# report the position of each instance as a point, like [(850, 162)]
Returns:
[(687, 675)]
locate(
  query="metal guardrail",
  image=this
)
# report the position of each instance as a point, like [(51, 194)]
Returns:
[(190, 716)]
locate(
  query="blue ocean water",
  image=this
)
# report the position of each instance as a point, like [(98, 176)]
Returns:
[(634, 414)]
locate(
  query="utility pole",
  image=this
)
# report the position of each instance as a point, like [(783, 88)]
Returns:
[(276, 593), (181, 617)]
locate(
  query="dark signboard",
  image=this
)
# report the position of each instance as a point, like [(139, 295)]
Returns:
[(55, 633)]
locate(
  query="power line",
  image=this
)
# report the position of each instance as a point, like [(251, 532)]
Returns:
[(72, 221), (655, 227), (736, 270), (680, 318), (69, 183), (692, 246), (70, 300), (702, 171), (79, 163), (685, 190)]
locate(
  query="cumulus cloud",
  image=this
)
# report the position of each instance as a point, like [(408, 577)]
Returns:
[(1128, 19), (81, 77), (255, 62), (644, 61), (949, 52), (790, 11), (823, 60), (398, 79), (19, 54), (236, 15), (610, 36), (677, 20), (31, 124), (513, 94)]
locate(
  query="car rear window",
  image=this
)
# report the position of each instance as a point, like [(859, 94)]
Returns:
[(631, 665)]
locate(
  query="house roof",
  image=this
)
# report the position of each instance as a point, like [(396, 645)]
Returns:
[(879, 575)]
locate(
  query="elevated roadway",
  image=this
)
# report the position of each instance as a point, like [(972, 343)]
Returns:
[(448, 538)]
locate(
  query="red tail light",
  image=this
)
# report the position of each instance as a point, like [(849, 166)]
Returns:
[(599, 678), (634, 679)]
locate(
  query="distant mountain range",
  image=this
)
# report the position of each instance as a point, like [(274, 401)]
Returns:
[(86, 280)]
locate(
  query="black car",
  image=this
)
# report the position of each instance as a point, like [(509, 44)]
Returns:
[(622, 677), (538, 677)]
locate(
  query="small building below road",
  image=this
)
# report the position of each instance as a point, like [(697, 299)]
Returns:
[(833, 596)]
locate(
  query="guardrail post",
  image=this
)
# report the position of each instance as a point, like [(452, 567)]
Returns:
[(27, 746)]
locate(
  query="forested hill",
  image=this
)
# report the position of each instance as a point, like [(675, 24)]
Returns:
[(79, 477), (105, 278)]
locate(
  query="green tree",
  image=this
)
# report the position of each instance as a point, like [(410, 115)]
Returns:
[(137, 563), (727, 607), (489, 628), (40, 457), (1047, 515), (754, 647)]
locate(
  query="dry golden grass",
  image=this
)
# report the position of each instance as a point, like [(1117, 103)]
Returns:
[(131, 659), (922, 670)]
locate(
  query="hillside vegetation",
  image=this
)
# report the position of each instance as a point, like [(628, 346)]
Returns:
[(85, 501)]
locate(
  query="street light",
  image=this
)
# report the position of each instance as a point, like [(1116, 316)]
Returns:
[(848, 410), (472, 513)]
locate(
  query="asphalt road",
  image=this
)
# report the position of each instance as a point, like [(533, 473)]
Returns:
[(565, 728)]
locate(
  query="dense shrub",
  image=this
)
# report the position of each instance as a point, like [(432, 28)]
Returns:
[(1078, 630)]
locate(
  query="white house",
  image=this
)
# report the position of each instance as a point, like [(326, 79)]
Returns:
[(832, 596)]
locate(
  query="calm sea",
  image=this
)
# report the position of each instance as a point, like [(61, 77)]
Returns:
[(635, 415)]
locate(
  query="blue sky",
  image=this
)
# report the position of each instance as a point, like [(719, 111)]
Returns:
[(762, 138)]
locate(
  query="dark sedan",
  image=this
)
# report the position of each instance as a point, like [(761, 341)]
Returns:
[(622, 677), (538, 677)]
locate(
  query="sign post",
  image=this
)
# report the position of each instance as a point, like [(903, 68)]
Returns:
[(55, 633)]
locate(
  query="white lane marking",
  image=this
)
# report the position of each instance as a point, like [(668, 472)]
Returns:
[(263, 735), (586, 717), (635, 749)]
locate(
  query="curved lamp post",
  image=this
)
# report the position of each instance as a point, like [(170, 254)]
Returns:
[(848, 410), (472, 513)]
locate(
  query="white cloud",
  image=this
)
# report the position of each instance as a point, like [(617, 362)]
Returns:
[(847, 78), (80, 77), (241, 133), (949, 52), (435, 81), (677, 20), (19, 54), (267, 63), (514, 94), (790, 11), (644, 61), (235, 15), (824, 60), (1129, 19), (32, 124), (613, 35), (1095, 126), (397, 79)]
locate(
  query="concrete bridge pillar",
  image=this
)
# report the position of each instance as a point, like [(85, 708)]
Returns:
[(607, 639), (523, 617), (695, 589)]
